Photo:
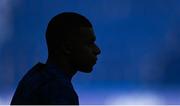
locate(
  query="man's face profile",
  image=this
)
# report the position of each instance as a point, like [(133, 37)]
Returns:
[(71, 42), (84, 50)]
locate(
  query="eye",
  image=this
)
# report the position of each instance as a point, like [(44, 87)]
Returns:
[(91, 43)]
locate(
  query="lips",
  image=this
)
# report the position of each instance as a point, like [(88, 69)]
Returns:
[(95, 60)]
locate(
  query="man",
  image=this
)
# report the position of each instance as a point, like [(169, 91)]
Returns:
[(71, 48)]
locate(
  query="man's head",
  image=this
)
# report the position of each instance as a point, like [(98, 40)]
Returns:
[(71, 35)]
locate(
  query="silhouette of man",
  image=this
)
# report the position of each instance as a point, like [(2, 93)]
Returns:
[(71, 48)]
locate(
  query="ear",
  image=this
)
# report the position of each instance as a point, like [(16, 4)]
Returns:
[(67, 48), (67, 51)]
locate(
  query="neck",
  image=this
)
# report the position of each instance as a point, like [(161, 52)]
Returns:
[(63, 64)]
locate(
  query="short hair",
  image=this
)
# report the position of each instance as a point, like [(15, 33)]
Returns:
[(61, 25)]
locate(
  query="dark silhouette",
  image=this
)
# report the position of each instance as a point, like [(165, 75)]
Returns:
[(71, 48)]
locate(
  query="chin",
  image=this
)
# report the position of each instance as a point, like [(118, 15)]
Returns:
[(86, 70)]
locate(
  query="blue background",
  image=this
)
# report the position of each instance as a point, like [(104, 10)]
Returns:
[(139, 40)]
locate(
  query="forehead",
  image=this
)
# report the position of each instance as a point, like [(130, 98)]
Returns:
[(87, 33), (86, 30), (83, 35)]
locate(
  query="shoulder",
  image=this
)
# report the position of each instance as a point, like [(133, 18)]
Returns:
[(34, 78), (58, 92)]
